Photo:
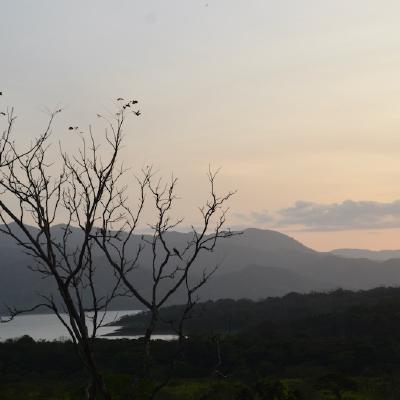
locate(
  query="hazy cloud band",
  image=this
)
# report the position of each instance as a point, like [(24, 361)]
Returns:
[(348, 214)]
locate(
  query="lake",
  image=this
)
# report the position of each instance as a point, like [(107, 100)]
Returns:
[(48, 327)]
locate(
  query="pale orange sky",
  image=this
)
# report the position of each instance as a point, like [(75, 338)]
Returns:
[(372, 239), (295, 100)]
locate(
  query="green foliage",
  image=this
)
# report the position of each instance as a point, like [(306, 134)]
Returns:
[(341, 345), (336, 384), (341, 310)]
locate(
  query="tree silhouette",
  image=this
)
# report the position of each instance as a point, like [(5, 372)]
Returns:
[(86, 193)]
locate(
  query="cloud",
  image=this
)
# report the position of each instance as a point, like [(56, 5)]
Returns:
[(348, 214), (256, 217), (261, 217)]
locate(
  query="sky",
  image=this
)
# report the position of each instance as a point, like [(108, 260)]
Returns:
[(297, 101)]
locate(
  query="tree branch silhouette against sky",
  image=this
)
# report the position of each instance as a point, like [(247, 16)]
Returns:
[(298, 102)]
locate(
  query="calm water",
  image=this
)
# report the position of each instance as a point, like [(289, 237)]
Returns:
[(48, 327)]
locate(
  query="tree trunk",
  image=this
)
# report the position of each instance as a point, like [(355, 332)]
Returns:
[(96, 389)]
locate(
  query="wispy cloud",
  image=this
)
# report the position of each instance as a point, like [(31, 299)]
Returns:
[(256, 217), (348, 214), (345, 215)]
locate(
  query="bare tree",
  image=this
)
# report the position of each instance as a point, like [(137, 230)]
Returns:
[(170, 267), (32, 194), (88, 195)]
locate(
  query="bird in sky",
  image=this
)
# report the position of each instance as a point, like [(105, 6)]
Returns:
[(134, 101), (1, 93), (2, 113), (119, 99), (137, 112), (70, 128)]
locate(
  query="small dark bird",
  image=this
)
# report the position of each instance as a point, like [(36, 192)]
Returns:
[(177, 253), (70, 128), (137, 112), (119, 99), (134, 101), (1, 93), (99, 115), (2, 113)]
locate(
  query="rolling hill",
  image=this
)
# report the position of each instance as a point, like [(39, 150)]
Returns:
[(255, 265)]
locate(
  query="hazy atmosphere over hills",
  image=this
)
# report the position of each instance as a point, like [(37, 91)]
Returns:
[(377, 255), (296, 101), (255, 265), (160, 160)]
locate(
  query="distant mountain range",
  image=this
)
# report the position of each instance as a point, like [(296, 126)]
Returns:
[(255, 265), (378, 255)]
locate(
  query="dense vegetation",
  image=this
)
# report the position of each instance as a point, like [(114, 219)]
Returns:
[(341, 345), (362, 312)]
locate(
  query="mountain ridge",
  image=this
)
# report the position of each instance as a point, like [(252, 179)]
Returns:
[(376, 255), (256, 264)]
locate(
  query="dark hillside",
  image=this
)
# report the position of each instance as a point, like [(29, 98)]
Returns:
[(362, 313)]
